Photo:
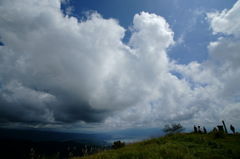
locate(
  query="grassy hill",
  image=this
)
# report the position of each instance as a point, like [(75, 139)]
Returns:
[(178, 146)]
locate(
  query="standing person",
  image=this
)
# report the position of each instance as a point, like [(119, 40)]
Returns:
[(232, 128), (199, 130), (205, 131), (195, 129)]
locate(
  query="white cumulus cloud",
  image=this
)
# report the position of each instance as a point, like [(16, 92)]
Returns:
[(60, 71), (226, 21)]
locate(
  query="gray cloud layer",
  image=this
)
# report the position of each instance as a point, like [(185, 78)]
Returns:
[(56, 70)]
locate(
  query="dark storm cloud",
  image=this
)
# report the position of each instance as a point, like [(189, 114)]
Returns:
[(74, 112), (30, 109)]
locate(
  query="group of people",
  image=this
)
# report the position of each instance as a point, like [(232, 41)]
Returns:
[(199, 130)]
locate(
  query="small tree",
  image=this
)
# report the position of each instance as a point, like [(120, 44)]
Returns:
[(118, 144), (174, 128)]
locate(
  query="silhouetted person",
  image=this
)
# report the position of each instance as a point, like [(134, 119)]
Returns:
[(199, 130), (232, 128), (195, 129), (205, 131)]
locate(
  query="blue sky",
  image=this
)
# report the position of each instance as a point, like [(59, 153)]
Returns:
[(105, 65), (186, 19)]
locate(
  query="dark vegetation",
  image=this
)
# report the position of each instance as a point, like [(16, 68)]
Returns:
[(26, 149), (21, 143), (118, 144)]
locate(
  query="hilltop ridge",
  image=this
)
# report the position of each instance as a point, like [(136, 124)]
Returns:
[(180, 146)]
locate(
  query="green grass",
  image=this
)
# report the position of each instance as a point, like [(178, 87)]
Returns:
[(179, 146)]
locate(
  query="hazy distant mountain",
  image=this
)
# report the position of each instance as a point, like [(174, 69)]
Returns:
[(100, 138), (37, 136)]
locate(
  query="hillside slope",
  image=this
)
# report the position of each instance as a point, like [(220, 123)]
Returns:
[(180, 146)]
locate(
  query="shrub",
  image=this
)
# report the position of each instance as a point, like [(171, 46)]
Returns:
[(174, 128), (118, 144)]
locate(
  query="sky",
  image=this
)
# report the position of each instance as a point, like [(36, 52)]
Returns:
[(112, 64)]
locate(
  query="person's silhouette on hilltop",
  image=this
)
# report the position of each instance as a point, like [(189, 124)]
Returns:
[(195, 129), (232, 128), (205, 131), (199, 130)]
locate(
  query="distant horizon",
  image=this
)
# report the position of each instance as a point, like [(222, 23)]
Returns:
[(187, 129)]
